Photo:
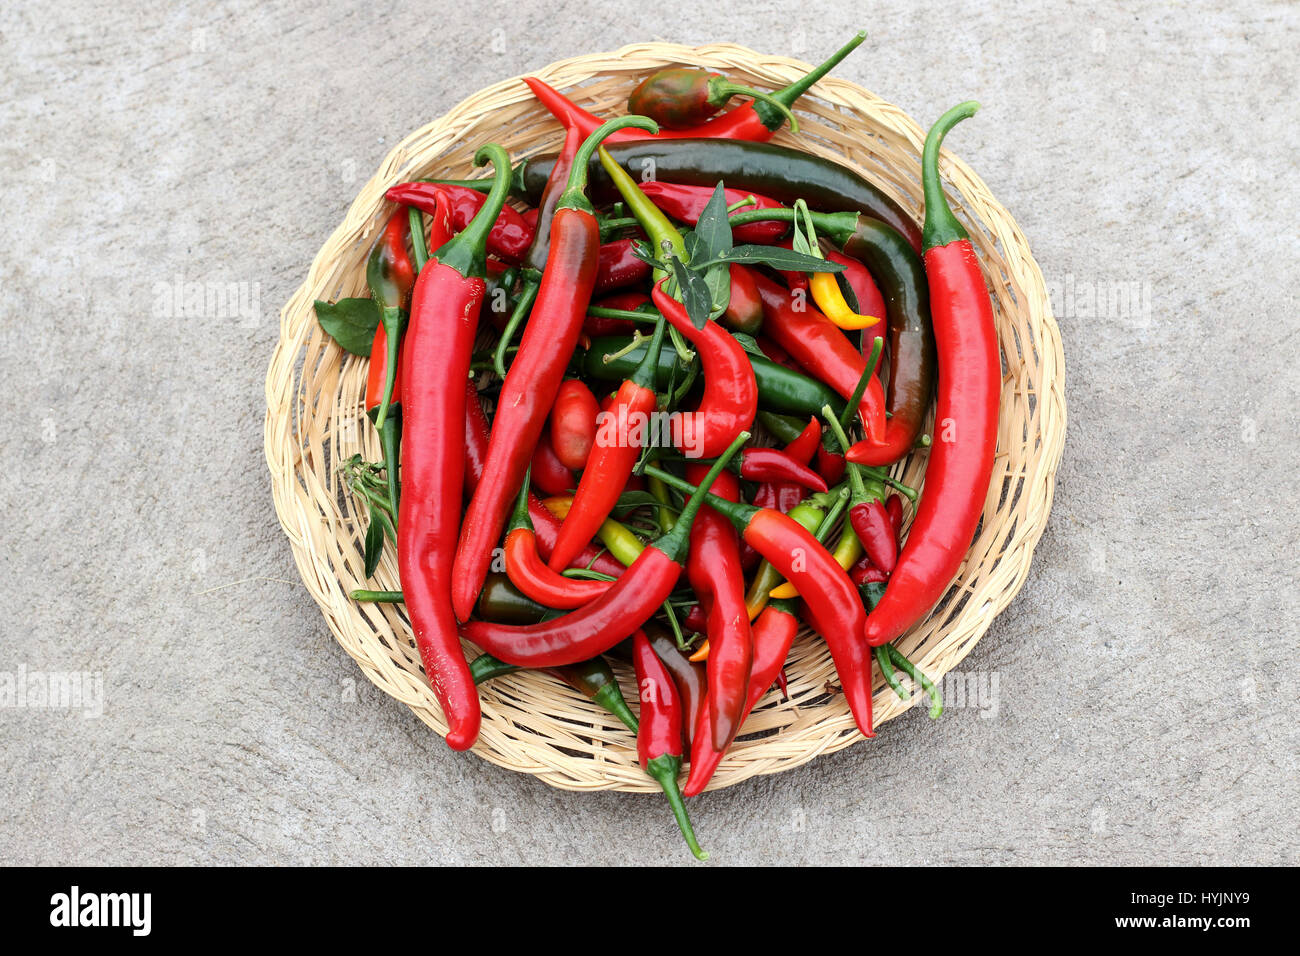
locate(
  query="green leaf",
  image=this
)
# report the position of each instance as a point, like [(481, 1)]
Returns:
[(374, 542), (718, 280), (748, 343), (695, 293), (783, 260), (351, 323), (713, 227)]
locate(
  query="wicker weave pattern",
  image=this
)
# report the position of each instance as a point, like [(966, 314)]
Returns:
[(531, 722)]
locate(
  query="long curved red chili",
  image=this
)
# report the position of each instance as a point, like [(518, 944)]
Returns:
[(439, 341), (966, 413), (730, 398), (714, 570), (690, 678), (819, 346), (536, 372), (774, 631), (510, 236), (622, 432)]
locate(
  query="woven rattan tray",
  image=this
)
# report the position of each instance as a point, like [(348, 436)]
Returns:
[(531, 722)]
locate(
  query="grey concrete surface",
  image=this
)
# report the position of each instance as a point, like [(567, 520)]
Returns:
[(1144, 710)]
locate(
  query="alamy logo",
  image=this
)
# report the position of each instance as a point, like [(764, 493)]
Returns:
[(102, 909)]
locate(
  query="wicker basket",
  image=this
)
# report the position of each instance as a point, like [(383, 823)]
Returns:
[(531, 722)]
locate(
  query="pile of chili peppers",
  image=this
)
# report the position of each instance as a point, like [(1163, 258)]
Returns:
[(651, 419)]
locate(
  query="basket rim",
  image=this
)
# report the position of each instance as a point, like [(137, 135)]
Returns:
[(281, 388)]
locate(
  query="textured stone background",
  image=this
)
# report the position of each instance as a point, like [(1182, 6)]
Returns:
[(1145, 672)]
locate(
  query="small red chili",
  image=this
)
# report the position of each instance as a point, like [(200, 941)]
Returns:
[(573, 424), (510, 235)]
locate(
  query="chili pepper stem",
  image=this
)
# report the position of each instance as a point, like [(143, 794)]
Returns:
[(612, 700), (789, 94), (575, 191), (665, 769), (918, 675), (941, 226), (419, 249), (377, 597), (890, 675), (523, 306), (392, 320)]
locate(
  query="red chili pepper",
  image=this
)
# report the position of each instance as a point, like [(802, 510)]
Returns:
[(596, 627), (756, 122), (438, 343), (769, 464), (527, 571), (617, 268), (696, 619), (510, 235), (692, 684), (966, 415), (864, 572), (546, 527), (894, 508), (834, 607), (714, 571), (830, 465), (391, 275), (774, 631), (623, 431), (549, 473), (659, 735), (777, 354), (821, 348), (573, 424), (730, 398), (686, 204), (870, 522), (744, 311), (536, 372)]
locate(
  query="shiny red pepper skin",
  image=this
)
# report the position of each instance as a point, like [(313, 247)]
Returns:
[(659, 734), (783, 495), (527, 395), (690, 678), (830, 465), (769, 464), (870, 522), (510, 236), (529, 574), (833, 605), (730, 398), (617, 268), (774, 631), (546, 526), (573, 425), (864, 572), (744, 311), (894, 508), (549, 473), (960, 468), (819, 346), (714, 570), (439, 335), (590, 630), (686, 203), (611, 464)]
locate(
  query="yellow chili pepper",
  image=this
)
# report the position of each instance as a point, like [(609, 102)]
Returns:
[(830, 299)]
